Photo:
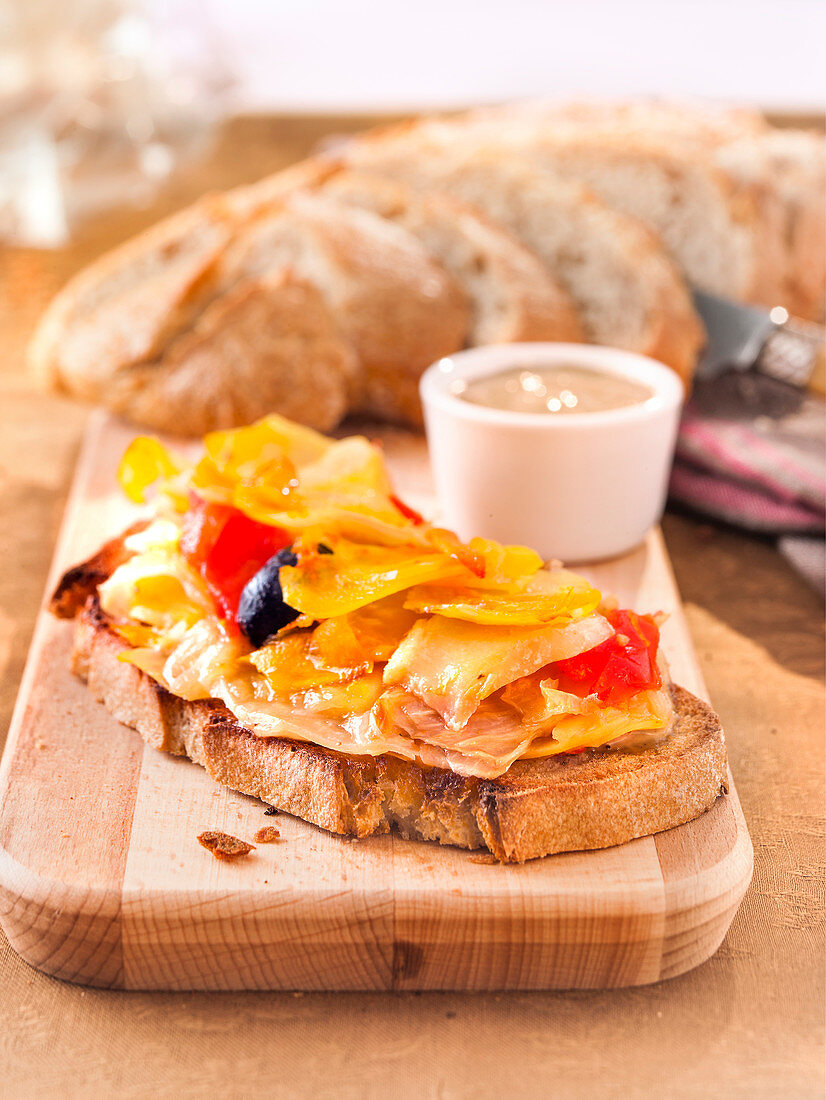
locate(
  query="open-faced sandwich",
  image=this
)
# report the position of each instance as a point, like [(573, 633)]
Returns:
[(284, 620)]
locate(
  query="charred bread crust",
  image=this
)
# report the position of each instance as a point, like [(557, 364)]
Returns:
[(81, 581), (594, 799)]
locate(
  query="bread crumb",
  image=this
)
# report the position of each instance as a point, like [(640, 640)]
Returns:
[(38, 744), (224, 846), (267, 835), (483, 857), (270, 812)]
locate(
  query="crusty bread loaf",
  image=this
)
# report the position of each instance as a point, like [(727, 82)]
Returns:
[(275, 297), (593, 799), (513, 296), (628, 292)]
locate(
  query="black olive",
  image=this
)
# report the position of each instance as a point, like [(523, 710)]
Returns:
[(261, 609)]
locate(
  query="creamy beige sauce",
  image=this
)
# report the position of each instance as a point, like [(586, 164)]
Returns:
[(553, 390)]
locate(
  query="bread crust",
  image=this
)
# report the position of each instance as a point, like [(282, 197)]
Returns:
[(593, 799), (81, 581), (267, 343)]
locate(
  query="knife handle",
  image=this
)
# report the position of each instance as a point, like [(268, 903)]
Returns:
[(795, 352)]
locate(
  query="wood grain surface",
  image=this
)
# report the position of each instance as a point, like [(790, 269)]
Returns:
[(747, 1023), (102, 881)]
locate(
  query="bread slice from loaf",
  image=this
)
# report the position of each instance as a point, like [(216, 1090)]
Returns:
[(710, 222), (266, 343), (592, 799), (783, 170), (392, 301), (628, 292), (255, 303), (789, 169), (512, 294), (127, 306)]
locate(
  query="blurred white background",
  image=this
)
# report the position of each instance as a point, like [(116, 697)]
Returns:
[(100, 100), (342, 55)]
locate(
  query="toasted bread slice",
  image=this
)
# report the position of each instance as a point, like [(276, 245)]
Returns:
[(592, 799)]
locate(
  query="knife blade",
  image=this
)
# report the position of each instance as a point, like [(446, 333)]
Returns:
[(744, 337)]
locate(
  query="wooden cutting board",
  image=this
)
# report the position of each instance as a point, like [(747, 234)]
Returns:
[(102, 880)]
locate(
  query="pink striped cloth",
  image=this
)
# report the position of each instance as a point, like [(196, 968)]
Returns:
[(752, 452)]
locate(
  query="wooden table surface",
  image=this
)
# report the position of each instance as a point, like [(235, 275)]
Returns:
[(747, 1023)]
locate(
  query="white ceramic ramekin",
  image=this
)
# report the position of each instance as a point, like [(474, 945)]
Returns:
[(579, 486)]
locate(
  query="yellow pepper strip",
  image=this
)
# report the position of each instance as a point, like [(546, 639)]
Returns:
[(145, 461)]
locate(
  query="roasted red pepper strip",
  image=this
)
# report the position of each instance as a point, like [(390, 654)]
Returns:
[(621, 665), (407, 511), (228, 548)]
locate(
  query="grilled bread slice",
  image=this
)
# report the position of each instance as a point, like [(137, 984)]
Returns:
[(591, 799)]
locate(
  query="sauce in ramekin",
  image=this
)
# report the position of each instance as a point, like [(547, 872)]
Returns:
[(554, 390)]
